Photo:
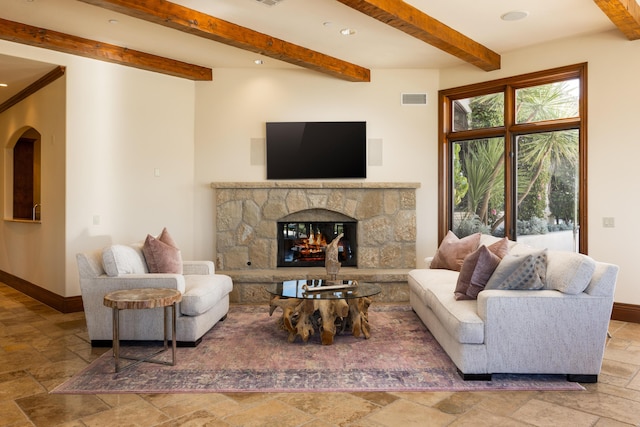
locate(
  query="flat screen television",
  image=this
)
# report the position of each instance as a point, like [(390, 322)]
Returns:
[(316, 150)]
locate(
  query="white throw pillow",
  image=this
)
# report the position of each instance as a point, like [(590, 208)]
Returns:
[(569, 272), (123, 259)]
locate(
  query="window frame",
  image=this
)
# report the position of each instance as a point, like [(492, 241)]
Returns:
[(509, 131)]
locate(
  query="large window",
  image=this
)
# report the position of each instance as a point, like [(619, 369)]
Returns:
[(513, 159)]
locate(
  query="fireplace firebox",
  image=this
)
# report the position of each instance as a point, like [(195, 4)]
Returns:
[(303, 244)]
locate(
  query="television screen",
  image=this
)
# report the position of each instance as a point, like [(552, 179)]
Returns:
[(308, 150)]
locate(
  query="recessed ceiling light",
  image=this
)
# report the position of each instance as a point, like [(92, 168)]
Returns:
[(327, 24), (347, 31), (3, 85), (269, 2), (113, 21), (515, 15), (258, 62)]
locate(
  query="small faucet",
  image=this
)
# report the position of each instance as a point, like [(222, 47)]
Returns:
[(33, 212)]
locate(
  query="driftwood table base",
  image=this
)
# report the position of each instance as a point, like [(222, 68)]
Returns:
[(302, 317)]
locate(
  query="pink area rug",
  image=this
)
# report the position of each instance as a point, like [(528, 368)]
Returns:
[(249, 353)]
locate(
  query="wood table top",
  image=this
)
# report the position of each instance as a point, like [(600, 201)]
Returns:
[(128, 299)]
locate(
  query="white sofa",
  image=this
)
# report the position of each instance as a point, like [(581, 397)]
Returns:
[(205, 296), (561, 329)]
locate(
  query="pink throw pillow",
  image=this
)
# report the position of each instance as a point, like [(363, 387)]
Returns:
[(487, 263), (452, 251), (473, 267), (161, 254)]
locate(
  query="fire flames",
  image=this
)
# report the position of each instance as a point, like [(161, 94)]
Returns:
[(312, 248), (316, 239)]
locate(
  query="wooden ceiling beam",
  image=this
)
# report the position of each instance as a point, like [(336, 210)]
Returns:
[(53, 40), (625, 14), (193, 22), (414, 22)]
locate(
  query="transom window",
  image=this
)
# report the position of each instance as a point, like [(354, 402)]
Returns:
[(513, 159)]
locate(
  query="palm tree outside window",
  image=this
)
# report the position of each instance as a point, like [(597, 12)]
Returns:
[(513, 159)]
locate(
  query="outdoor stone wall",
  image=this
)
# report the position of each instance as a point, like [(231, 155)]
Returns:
[(247, 216)]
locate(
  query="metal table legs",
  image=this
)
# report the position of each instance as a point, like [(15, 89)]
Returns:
[(150, 358)]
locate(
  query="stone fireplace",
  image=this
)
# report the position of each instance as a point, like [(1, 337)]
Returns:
[(381, 232)]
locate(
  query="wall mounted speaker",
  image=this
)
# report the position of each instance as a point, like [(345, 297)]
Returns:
[(258, 152), (375, 152)]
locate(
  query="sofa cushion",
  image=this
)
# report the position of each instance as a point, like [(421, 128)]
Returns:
[(569, 272), (459, 318), (202, 292), (161, 254), (434, 288), (123, 259), (424, 278), (488, 240), (452, 251), (603, 281), (498, 249), (90, 264), (520, 272)]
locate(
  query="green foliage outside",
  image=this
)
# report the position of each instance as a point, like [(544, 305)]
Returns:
[(461, 184), (546, 165), (562, 198)]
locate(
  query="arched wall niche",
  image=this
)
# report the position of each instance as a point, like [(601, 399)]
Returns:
[(23, 175)]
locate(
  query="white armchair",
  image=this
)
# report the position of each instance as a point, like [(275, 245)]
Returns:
[(205, 296)]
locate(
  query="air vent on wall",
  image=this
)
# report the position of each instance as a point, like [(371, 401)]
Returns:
[(269, 2), (414, 99)]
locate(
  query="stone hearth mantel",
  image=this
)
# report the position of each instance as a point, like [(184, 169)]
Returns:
[(246, 231), (314, 184)]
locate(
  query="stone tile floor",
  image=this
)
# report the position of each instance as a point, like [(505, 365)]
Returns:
[(40, 348)]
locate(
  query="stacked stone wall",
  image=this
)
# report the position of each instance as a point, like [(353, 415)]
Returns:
[(247, 216)]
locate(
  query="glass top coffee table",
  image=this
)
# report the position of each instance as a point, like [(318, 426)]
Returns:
[(327, 306), (323, 289)]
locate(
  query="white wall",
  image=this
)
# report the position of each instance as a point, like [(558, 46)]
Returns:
[(121, 124), (613, 143), (233, 109), (35, 251)]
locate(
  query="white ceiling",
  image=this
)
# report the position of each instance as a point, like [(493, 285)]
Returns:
[(314, 24)]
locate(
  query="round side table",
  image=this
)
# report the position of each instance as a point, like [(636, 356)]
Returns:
[(136, 299)]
